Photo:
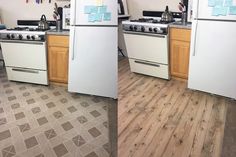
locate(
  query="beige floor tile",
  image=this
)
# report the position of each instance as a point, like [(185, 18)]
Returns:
[(87, 148), (31, 142), (102, 152), (5, 134), (60, 150), (19, 144), (8, 151)]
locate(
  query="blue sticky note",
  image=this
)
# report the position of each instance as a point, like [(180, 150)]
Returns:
[(91, 17), (94, 9), (211, 3), (98, 17), (232, 10), (102, 9), (219, 10), (87, 9), (216, 11), (228, 3), (107, 16), (223, 11), (219, 2)]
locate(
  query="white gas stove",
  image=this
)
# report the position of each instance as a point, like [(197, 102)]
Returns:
[(25, 54), (147, 44)]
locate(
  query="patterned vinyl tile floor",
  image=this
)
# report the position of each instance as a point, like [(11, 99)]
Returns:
[(47, 121)]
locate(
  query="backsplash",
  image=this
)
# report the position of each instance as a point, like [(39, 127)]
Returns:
[(136, 7), (14, 10)]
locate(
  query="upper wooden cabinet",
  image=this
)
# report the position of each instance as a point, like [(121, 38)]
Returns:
[(58, 52), (179, 52)]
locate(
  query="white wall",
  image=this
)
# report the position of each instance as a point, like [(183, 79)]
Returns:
[(136, 7), (13, 10)]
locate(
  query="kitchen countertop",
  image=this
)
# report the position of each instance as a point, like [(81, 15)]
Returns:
[(179, 25), (55, 32)]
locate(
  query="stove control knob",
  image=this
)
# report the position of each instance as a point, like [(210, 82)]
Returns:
[(8, 36), (143, 29), (28, 37), (33, 37), (155, 30), (150, 29), (12, 36), (135, 28), (41, 37), (20, 37), (131, 28)]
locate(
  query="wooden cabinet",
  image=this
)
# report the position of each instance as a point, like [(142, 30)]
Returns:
[(58, 52), (179, 52)]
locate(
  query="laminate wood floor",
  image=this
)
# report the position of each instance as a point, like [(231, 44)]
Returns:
[(159, 118)]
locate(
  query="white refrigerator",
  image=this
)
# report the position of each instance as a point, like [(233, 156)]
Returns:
[(213, 47), (93, 48)]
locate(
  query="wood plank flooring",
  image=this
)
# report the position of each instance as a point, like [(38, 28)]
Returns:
[(159, 118)]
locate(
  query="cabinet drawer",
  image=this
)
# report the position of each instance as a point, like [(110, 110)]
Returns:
[(57, 40), (147, 68), (27, 75), (180, 34)]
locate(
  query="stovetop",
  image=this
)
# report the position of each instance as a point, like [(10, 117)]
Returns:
[(26, 30), (23, 34), (149, 23)]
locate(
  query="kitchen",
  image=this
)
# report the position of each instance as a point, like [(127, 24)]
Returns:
[(140, 97)]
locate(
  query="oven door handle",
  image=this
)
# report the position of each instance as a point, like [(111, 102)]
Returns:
[(22, 42), (147, 34), (146, 63), (25, 70)]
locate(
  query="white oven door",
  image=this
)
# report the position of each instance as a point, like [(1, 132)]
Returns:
[(24, 54), (148, 47)]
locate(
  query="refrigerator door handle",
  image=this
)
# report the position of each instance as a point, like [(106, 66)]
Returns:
[(195, 39), (73, 49), (74, 14), (197, 9)]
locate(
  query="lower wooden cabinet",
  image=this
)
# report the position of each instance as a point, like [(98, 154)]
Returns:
[(58, 58), (179, 52)]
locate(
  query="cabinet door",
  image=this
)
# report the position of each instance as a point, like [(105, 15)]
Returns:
[(58, 64), (179, 58)]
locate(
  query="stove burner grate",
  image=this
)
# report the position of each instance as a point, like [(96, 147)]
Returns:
[(150, 20), (27, 29)]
